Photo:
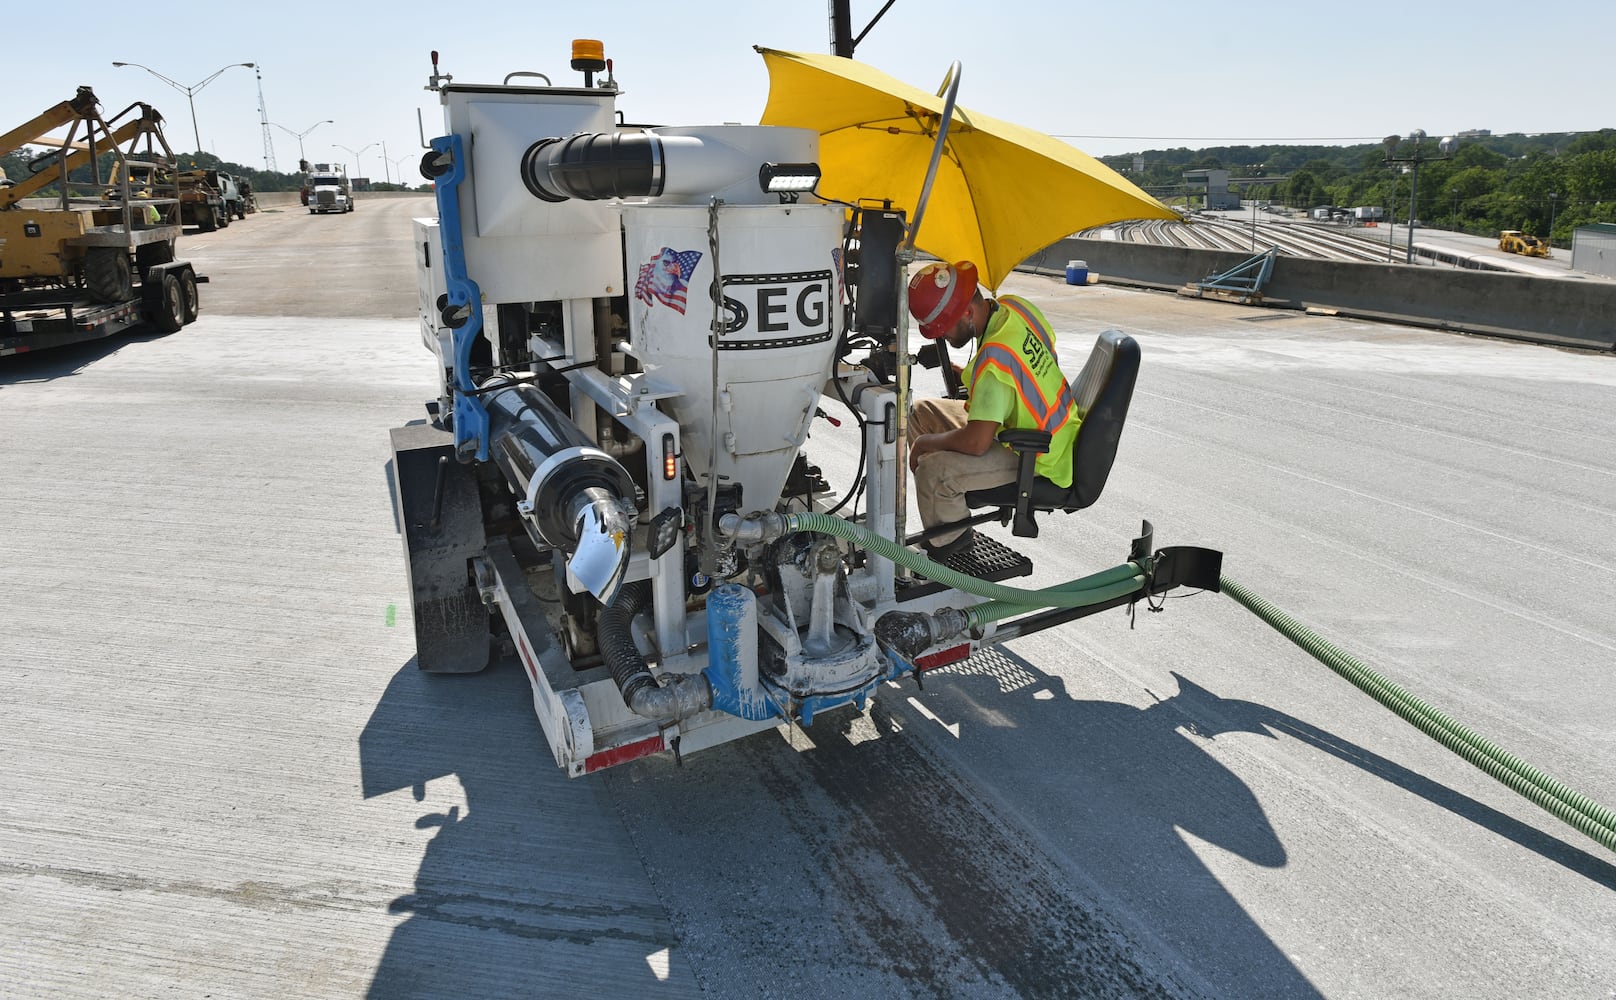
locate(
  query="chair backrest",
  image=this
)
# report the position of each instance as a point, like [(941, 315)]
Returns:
[(1103, 391)]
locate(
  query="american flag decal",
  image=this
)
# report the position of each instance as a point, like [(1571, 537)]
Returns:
[(841, 276), (666, 277)]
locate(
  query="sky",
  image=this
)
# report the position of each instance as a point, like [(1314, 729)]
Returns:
[(1107, 79)]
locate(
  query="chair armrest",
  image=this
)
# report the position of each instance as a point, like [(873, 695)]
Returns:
[(1027, 445), (1025, 442)]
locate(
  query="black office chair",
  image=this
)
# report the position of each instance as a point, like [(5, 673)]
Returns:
[(1103, 391)]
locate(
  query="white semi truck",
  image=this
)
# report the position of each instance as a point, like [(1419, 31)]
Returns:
[(326, 189), (634, 328)]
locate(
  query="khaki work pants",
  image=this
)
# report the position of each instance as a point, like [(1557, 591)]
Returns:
[(944, 477)]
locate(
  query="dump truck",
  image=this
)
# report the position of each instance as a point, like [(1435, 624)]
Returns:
[(611, 485), (98, 256), (1515, 241)]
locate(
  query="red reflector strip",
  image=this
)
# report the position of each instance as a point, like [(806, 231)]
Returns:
[(623, 754), (943, 657), (527, 657)]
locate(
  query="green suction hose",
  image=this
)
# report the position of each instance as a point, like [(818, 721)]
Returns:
[(1579, 811), (1587, 816)]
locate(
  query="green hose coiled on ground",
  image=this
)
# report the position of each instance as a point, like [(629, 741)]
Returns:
[(1118, 581), (1578, 810)]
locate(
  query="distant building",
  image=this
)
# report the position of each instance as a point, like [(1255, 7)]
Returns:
[(1213, 186), (1593, 249), (1474, 133)]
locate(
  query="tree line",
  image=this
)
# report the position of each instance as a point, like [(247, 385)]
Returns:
[(1489, 183)]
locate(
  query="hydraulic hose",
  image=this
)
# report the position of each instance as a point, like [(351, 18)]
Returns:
[(677, 696), (1093, 589), (1587, 816), (614, 633)]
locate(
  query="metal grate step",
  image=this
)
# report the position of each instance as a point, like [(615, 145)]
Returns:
[(985, 559)]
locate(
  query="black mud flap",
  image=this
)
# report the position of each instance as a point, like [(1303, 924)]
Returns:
[(1187, 566), (438, 512)]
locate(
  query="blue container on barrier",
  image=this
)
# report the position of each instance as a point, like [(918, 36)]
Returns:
[(1077, 272)]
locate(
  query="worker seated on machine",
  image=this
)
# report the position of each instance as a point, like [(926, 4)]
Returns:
[(1013, 381)]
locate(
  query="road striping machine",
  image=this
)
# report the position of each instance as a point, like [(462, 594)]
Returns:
[(635, 327)]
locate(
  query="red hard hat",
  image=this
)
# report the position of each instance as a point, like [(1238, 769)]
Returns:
[(939, 294)]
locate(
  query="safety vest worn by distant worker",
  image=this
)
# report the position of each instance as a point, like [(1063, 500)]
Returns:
[(1015, 378)]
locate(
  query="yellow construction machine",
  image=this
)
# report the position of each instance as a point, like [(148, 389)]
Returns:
[(1515, 241), (94, 255)]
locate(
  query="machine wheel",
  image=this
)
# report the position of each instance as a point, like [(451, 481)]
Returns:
[(224, 216), (188, 292), (107, 274), (149, 255), (241, 210), (169, 313)]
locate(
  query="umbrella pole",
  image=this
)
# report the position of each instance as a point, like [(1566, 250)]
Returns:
[(951, 85), (906, 256)]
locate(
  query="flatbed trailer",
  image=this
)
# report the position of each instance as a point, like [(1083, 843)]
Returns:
[(166, 299)]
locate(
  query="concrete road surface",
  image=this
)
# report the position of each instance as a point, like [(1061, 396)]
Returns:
[(221, 773)]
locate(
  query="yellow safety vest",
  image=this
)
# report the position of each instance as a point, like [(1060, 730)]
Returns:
[(1019, 349)]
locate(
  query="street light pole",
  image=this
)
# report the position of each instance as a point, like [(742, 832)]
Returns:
[(396, 161), (189, 92), (299, 135), (1554, 197), (357, 153), (1416, 137)]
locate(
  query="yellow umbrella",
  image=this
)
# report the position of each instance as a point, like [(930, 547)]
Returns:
[(1002, 192)]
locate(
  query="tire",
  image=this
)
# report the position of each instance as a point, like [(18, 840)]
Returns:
[(149, 255), (209, 221), (107, 274), (168, 315), (191, 297), (224, 216)]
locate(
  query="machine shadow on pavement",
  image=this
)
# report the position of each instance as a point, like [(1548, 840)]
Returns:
[(70, 359), (498, 908), (870, 843)]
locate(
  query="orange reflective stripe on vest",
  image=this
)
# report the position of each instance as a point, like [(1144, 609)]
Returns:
[(1048, 417), (1015, 305)]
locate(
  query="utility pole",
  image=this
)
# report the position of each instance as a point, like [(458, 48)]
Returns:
[(263, 121), (1391, 143)]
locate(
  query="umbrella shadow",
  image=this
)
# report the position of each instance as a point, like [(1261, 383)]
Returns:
[(1128, 782)]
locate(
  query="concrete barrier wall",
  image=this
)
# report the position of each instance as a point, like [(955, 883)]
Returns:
[(1563, 311), (281, 199)]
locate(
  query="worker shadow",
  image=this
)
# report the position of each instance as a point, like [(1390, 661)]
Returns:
[(496, 910), (1134, 793), (61, 362)]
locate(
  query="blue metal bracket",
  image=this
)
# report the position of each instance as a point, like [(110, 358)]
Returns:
[(463, 303), (1246, 277)]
